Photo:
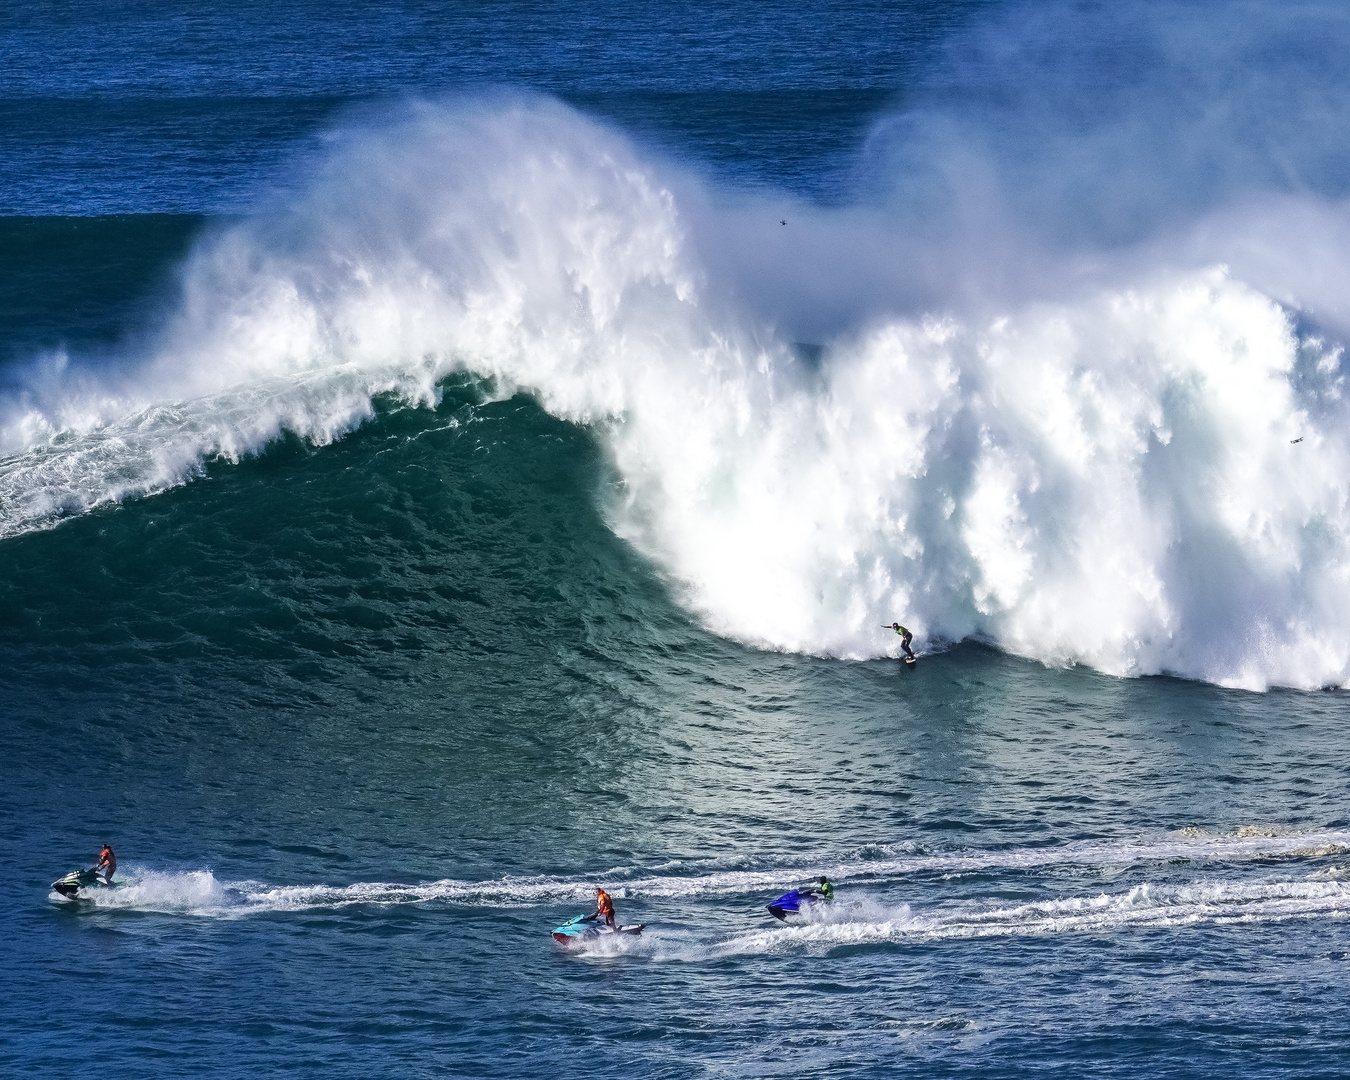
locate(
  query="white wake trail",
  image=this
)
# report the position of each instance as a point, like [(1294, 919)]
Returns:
[(199, 892), (1142, 907)]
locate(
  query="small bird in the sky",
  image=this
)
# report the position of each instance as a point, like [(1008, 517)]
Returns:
[(1299, 439), (782, 223)]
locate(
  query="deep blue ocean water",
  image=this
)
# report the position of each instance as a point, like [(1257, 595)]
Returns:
[(433, 484)]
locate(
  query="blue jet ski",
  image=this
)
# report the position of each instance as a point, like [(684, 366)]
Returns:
[(88, 880), (793, 903), (584, 928)]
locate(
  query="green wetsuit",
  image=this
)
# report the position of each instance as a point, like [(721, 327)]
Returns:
[(905, 638)]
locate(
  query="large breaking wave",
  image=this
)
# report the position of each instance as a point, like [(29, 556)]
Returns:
[(983, 419)]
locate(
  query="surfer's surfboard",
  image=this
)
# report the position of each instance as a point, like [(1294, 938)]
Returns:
[(909, 661)]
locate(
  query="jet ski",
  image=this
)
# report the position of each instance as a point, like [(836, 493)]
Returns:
[(70, 885), (575, 931), (793, 903)]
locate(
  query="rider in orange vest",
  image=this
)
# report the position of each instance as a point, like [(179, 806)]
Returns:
[(604, 907), (107, 862)]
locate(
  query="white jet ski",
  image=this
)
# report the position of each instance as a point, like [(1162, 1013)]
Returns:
[(89, 881)]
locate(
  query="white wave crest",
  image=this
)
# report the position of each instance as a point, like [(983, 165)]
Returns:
[(1146, 475)]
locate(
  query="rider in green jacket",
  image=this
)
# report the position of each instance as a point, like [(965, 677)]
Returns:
[(905, 638)]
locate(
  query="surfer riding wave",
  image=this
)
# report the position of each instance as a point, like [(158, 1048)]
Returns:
[(905, 638)]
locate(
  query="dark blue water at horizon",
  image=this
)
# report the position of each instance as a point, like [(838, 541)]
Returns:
[(366, 717), (153, 110)]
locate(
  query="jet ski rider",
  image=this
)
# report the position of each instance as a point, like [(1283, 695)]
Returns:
[(825, 890), (604, 907), (107, 863)]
